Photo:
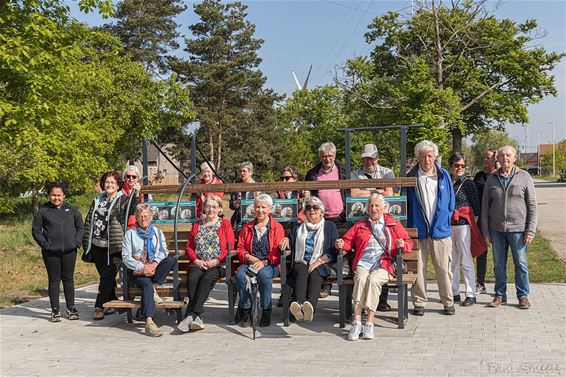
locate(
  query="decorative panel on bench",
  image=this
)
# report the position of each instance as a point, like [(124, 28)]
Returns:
[(356, 208), (283, 210), (164, 212)]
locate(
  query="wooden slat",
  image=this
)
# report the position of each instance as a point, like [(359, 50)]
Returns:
[(285, 186), (121, 304)]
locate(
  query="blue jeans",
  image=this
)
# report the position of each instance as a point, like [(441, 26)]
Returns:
[(264, 279), (146, 284), (501, 241)]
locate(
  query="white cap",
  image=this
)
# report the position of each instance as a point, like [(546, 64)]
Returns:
[(370, 150)]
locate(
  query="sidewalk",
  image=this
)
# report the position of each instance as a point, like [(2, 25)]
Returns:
[(552, 216), (477, 341)]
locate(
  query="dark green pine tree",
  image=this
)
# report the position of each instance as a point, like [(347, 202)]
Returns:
[(148, 30), (236, 115)]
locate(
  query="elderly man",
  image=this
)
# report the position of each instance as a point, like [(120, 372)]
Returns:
[(328, 169), (429, 207), (509, 220), (372, 170)]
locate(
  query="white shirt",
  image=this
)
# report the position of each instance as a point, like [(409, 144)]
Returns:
[(427, 189)]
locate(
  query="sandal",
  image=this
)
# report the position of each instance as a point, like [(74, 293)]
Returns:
[(98, 314)]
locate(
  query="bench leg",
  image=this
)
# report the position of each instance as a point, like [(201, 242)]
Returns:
[(231, 301), (129, 316), (342, 305), (406, 302), (285, 301), (401, 306), (349, 308)]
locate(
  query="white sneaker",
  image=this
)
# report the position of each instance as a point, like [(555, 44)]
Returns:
[(308, 311), (197, 324), (156, 298), (296, 310), (185, 323), (368, 331), (355, 330)]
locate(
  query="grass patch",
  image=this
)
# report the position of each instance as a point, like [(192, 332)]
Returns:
[(22, 273), (544, 265)]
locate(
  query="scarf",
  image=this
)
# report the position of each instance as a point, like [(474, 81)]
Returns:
[(147, 237), (302, 232)]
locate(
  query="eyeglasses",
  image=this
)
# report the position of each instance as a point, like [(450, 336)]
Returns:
[(131, 176), (210, 207), (308, 207), (285, 177), (463, 166)]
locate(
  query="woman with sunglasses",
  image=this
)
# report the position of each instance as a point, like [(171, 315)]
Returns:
[(289, 174), (130, 177), (312, 248), (464, 226)]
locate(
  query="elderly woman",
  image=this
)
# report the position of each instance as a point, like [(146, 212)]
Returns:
[(375, 241), (130, 177), (206, 249), (104, 229), (246, 171), (258, 248), (465, 232), (312, 248), (145, 254), (207, 177), (58, 229)]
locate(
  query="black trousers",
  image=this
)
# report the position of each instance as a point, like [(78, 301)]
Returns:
[(60, 267), (306, 285), (199, 284), (107, 272), (481, 262)]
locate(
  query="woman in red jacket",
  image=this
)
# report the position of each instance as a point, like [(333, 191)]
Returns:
[(258, 248), (207, 248), (375, 241)]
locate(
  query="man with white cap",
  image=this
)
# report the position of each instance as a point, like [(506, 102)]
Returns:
[(371, 170)]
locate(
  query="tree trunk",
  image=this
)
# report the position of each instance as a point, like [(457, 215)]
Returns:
[(211, 147), (219, 151), (34, 202), (457, 140)]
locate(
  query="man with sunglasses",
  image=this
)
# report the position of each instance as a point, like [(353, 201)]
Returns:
[(372, 170)]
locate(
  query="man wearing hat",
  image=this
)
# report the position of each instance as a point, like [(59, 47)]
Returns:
[(371, 170)]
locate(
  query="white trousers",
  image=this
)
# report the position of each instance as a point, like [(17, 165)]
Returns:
[(462, 254)]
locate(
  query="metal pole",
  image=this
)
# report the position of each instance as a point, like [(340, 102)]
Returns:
[(145, 166), (348, 154), (193, 154), (538, 154), (553, 151), (403, 167)]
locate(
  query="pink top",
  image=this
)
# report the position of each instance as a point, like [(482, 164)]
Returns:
[(332, 199)]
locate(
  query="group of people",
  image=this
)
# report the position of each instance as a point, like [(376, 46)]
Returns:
[(456, 219)]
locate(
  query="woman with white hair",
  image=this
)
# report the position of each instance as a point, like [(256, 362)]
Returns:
[(130, 177), (258, 250), (207, 177), (375, 242), (145, 254), (312, 248)]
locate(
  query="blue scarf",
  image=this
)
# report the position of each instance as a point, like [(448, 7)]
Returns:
[(147, 237)]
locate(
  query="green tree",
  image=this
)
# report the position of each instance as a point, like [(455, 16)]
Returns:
[(456, 69), (233, 108), (559, 159), (148, 30), (72, 104)]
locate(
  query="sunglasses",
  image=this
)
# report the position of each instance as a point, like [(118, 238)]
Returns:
[(131, 176), (308, 207), (285, 177), (459, 166)]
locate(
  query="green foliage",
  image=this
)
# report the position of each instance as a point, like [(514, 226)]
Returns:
[(559, 160), (148, 30), (235, 114), (456, 69), (72, 105), (487, 140)]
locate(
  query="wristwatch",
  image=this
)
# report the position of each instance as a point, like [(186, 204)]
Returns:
[(266, 262)]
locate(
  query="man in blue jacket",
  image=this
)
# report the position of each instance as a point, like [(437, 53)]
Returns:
[(430, 206)]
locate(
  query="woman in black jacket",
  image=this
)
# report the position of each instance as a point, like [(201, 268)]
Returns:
[(104, 230), (58, 229)]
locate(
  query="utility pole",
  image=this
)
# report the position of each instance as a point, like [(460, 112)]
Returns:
[(538, 154), (553, 150)]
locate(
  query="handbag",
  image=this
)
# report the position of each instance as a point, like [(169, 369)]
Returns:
[(87, 257), (404, 267)]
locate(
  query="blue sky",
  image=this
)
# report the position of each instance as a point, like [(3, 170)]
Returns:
[(327, 33)]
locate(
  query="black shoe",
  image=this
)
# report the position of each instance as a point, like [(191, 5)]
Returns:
[(449, 310), (469, 301), (265, 318), (55, 315), (72, 313), (383, 307), (139, 316), (457, 298), (245, 319), (418, 310), (280, 301)]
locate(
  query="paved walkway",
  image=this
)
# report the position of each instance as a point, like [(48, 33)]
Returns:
[(477, 341), (552, 216)]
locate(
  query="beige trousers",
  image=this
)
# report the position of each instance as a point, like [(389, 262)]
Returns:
[(367, 287), (440, 252)]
